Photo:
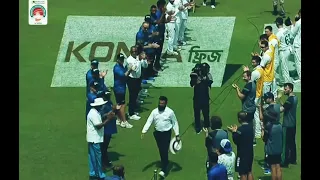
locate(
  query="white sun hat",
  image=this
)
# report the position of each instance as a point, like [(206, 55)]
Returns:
[(98, 102), (175, 145)]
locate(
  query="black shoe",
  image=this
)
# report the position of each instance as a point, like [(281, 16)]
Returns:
[(107, 165), (198, 131)]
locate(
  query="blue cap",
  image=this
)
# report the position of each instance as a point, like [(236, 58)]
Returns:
[(95, 62), (95, 72), (147, 18), (226, 145), (268, 95)]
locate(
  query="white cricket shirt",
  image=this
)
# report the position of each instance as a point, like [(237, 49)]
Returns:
[(94, 135), (296, 33), (284, 37), (171, 7), (138, 64), (163, 121), (177, 4), (184, 13), (265, 58), (255, 75)]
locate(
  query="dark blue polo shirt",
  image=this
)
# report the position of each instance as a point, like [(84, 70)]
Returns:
[(120, 80), (161, 26), (146, 38), (110, 127)]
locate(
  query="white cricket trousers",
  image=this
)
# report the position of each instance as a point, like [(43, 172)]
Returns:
[(183, 26), (256, 122), (171, 35), (177, 31), (270, 87), (297, 59), (277, 66), (283, 68)]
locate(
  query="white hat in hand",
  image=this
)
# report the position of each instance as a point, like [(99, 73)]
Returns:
[(175, 145)]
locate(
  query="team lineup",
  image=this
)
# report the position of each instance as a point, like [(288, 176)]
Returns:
[(269, 77), (161, 89)]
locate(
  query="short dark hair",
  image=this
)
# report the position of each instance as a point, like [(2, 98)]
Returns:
[(163, 98), (263, 36), (242, 116), (290, 85), (161, 3), (132, 47), (265, 43), (213, 157), (257, 59), (118, 170), (269, 28), (248, 73), (216, 122), (153, 6)]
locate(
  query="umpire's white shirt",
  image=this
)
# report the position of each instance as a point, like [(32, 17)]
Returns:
[(138, 64), (163, 121), (94, 135)]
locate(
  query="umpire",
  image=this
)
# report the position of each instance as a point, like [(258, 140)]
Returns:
[(164, 120), (201, 81)]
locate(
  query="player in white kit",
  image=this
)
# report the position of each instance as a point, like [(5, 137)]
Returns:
[(296, 33), (177, 4), (171, 13), (285, 50), (184, 18)]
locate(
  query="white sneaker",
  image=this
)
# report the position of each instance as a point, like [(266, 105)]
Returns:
[(204, 4), (118, 122), (126, 125), (183, 43), (140, 102), (162, 174), (135, 117), (177, 49), (172, 53), (213, 7)]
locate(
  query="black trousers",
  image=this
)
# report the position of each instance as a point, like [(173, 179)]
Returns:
[(204, 107), (149, 72), (289, 153), (134, 87), (163, 142), (158, 54), (104, 149), (213, 2)]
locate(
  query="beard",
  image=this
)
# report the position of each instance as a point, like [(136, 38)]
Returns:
[(161, 108)]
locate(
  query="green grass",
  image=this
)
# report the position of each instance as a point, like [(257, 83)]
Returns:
[(52, 128)]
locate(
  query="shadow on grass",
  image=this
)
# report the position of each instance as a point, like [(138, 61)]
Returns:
[(230, 70), (114, 156)]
